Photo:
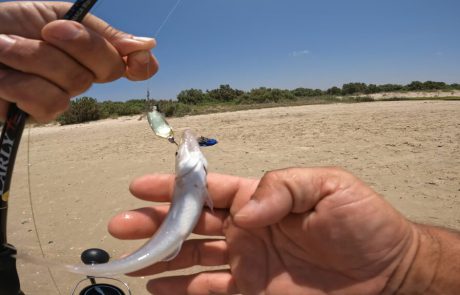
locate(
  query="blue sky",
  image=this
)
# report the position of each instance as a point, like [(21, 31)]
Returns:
[(288, 43)]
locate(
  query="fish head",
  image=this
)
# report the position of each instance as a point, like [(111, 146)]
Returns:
[(189, 154)]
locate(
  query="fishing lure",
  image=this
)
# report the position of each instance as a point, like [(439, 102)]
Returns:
[(189, 196), (160, 126)]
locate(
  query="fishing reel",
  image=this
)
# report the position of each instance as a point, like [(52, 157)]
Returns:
[(98, 256)]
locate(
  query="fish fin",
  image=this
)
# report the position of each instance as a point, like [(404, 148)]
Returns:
[(173, 254)]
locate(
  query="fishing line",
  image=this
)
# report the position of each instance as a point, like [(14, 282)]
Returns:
[(167, 18), (32, 211), (165, 21)]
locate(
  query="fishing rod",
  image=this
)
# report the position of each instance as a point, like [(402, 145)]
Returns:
[(9, 143)]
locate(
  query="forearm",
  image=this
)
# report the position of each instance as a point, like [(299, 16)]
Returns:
[(434, 268)]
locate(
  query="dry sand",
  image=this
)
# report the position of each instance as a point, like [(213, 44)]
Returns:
[(79, 174), (414, 94)]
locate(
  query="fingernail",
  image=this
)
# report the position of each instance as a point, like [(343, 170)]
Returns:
[(6, 42), (143, 39), (66, 31), (142, 57), (247, 210)]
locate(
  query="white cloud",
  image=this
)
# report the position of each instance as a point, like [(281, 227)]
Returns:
[(299, 53)]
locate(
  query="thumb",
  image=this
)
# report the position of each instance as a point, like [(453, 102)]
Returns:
[(286, 191), (125, 43), (141, 64)]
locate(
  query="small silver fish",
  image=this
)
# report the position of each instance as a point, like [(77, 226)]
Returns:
[(189, 196)]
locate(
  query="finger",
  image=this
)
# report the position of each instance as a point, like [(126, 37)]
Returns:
[(144, 222), (87, 47), (38, 57), (193, 252), (141, 65), (200, 284), (34, 95), (153, 187), (294, 190), (222, 188)]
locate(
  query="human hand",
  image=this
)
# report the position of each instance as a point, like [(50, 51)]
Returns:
[(296, 231), (45, 61)]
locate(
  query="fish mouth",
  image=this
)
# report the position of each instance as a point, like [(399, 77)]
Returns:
[(189, 154), (190, 140)]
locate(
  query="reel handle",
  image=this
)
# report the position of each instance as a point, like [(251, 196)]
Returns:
[(94, 256), (98, 256)]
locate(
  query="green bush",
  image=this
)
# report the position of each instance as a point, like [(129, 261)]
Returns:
[(118, 108), (192, 96), (224, 93), (390, 87), (307, 92), (455, 86), (265, 95), (334, 91), (180, 110), (353, 88), (81, 110)]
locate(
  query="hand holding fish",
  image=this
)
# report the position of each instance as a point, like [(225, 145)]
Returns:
[(45, 61), (296, 231)]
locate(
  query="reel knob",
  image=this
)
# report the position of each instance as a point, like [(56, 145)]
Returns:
[(94, 256), (98, 256)]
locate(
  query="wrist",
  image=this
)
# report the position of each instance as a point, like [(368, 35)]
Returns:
[(431, 265), (423, 267)]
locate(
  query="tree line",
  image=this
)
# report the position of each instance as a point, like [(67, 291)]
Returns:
[(190, 101), (263, 94)]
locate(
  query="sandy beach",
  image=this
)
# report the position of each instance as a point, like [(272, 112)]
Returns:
[(408, 151)]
